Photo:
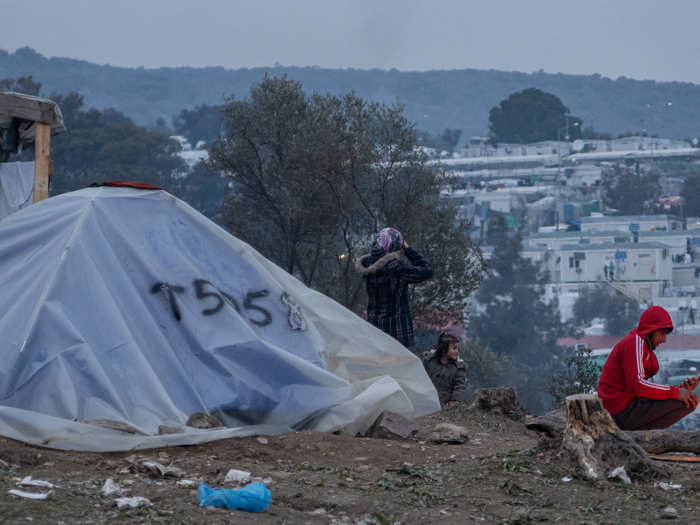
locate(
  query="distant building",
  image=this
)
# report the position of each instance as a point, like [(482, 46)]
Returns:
[(629, 223), (644, 268)]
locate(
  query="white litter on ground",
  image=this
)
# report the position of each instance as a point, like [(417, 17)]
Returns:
[(237, 476), (110, 487), (30, 495), (132, 503), (29, 482)]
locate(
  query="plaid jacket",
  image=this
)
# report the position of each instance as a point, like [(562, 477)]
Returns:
[(387, 277)]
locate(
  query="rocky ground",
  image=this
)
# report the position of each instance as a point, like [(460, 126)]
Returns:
[(499, 475)]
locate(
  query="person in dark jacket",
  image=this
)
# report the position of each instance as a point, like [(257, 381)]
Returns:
[(446, 370), (388, 270), (625, 389)]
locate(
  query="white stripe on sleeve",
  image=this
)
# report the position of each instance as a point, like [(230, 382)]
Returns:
[(640, 367)]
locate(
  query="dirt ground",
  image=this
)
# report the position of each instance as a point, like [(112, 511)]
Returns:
[(498, 476)]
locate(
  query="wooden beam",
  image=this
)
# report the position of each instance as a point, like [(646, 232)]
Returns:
[(28, 109), (42, 161)]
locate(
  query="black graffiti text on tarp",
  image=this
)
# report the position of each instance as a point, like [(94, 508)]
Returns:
[(221, 297), (248, 305), (216, 299), (170, 290)]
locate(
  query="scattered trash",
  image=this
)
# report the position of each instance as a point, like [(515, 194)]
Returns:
[(262, 440), (29, 482), (30, 495), (237, 476), (319, 511), (251, 498), (258, 479), (667, 486), (447, 433), (566, 479), (110, 487), (132, 503), (619, 474), (669, 513), (154, 468), (187, 483)]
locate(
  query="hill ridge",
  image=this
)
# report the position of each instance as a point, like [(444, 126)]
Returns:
[(435, 99)]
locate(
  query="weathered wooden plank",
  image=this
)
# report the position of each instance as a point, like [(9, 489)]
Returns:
[(42, 161), (28, 109)]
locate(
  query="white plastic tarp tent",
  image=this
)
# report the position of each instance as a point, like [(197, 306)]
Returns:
[(16, 186), (127, 307)]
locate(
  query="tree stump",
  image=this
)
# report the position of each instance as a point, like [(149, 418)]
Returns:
[(598, 446), (503, 400)]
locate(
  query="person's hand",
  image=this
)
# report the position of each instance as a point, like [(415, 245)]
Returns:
[(688, 397), (691, 383), (405, 245)]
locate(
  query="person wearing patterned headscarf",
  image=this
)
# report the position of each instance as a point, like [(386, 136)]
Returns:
[(388, 270)]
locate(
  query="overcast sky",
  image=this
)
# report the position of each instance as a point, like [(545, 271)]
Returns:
[(643, 39)]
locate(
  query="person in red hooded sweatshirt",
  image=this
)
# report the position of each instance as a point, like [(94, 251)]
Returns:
[(634, 402)]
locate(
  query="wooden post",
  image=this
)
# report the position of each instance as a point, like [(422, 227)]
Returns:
[(42, 161)]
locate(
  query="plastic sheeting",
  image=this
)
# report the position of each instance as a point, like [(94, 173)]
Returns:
[(127, 307), (16, 186)]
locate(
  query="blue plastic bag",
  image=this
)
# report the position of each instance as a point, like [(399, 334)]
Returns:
[(254, 497)]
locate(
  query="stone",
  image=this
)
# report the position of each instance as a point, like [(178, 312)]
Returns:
[(669, 513), (390, 425), (204, 420)]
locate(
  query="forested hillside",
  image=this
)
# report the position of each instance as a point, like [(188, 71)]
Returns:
[(435, 100)]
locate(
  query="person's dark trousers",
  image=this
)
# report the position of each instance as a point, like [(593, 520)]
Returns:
[(648, 414)]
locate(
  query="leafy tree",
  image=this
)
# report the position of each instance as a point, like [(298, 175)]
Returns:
[(107, 145), (514, 319), (24, 84), (579, 377), (446, 141), (103, 145), (532, 115), (202, 123), (690, 192), (315, 176), (590, 133), (203, 189), (619, 313), (629, 190)]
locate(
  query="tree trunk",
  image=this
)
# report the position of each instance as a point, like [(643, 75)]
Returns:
[(553, 424), (599, 446), (667, 440)]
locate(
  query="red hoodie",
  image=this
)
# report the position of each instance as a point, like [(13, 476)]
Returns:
[(631, 363)]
